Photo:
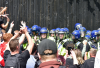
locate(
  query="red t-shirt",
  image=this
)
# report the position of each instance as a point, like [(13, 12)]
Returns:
[(2, 49)]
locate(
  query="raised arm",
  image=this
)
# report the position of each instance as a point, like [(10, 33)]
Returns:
[(2, 11), (14, 37), (21, 40), (30, 41), (5, 25), (11, 26)]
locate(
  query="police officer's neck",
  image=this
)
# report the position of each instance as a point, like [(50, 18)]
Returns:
[(75, 40), (60, 40), (50, 59)]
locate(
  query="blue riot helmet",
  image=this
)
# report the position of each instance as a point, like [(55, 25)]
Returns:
[(83, 31), (67, 35), (77, 26), (57, 30), (43, 33), (29, 31), (88, 37), (52, 31), (88, 32), (94, 34), (61, 31), (76, 34), (64, 30), (44, 30), (35, 29), (67, 30)]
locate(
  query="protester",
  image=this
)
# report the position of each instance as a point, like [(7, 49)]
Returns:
[(97, 60), (14, 48), (3, 15), (6, 38), (74, 59), (31, 61), (90, 62), (48, 54)]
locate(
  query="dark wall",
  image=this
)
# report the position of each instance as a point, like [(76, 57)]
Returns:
[(54, 13)]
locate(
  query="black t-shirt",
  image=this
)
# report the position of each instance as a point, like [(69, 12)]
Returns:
[(80, 46), (24, 56), (89, 63), (1, 22), (69, 64)]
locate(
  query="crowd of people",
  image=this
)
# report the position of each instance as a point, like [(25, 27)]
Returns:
[(36, 47)]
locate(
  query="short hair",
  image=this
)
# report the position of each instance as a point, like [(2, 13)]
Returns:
[(7, 37), (34, 49), (46, 57), (66, 43), (93, 51), (70, 45), (13, 44)]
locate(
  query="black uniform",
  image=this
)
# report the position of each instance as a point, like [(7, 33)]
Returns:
[(89, 63)]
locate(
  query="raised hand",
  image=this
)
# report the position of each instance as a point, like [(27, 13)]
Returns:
[(12, 24), (23, 23)]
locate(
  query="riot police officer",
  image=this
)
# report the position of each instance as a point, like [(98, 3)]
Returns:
[(52, 35), (60, 42)]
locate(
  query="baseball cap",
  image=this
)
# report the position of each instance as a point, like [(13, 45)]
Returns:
[(47, 47)]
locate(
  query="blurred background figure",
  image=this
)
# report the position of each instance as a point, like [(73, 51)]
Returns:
[(90, 62)]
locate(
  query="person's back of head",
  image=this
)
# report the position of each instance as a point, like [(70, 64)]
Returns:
[(47, 50), (7, 37), (93, 52), (66, 43), (79, 56), (70, 45), (14, 44)]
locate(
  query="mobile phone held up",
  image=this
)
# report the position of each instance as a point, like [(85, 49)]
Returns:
[(69, 49)]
